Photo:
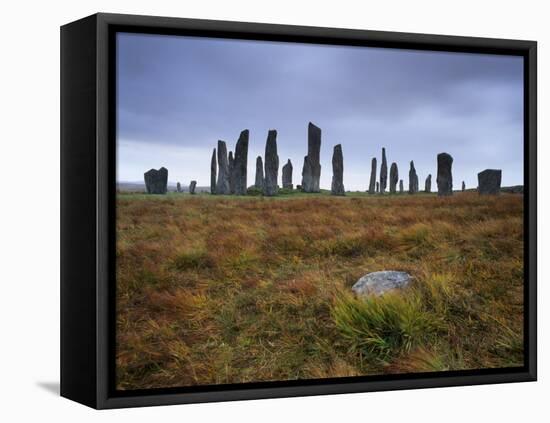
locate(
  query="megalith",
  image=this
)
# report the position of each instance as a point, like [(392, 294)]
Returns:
[(192, 187), (401, 186), (311, 172), (413, 179), (444, 174), (394, 177), (240, 164), (259, 182), (372, 182), (231, 167), (222, 186), (271, 164), (383, 172), (156, 181), (287, 175), (213, 172), (428, 184), (489, 181), (337, 187)]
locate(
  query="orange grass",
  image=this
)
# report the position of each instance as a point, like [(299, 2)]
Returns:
[(217, 290)]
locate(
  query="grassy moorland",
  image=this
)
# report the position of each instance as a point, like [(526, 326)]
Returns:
[(217, 290)]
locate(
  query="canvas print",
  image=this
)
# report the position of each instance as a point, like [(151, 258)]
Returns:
[(292, 211)]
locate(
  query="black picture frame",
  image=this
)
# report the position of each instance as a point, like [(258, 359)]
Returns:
[(88, 193)]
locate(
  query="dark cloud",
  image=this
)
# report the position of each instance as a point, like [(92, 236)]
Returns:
[(186, 93)]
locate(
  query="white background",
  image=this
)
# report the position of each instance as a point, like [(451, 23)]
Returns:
[(29, 209)]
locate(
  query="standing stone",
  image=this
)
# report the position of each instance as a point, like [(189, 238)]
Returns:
[(240, 164), (271, 164), (401, 186), (287, 175), (428, 184), (156, 181), (338, 171), (383, 173), (213, 171), (394, 177), (377, 187), (413, 179), (444, 174), (222, 186), (259, 183), (231, 163), (311, 172), (489, 181), (372, 182), (192, 187), (463, 186), (178, 187)]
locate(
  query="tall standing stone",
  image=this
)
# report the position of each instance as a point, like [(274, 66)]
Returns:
[(463, 186), (259, 182), (401, 186), (338, 171), (383, 173), (156, 181), (213, 172), (394, 177), (271, 164), (444, 174), (413, 179), (489, 181), (428, 184), (240, 164), (222, 186), (372, 182), (311, 172), (287, 175), (231, 166), (178, 187), (377, 187), (192, 187)]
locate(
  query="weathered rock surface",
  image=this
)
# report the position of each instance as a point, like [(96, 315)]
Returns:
[(192, 187), (231, 163), (383, 172), (311, 172), (259, 182), (240, 164), (337, 187), (428, 184), (377, 187), (213, 172), (489, 181), (271, 164), (444, 174), (413, 179), (222, 186), (401, 186), (178, 187), (463, 186), (156, 181), (372, 182), (394, 177), (378, 283), (287, 175)]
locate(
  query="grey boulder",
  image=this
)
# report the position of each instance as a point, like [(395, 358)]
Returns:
[(378, 283)]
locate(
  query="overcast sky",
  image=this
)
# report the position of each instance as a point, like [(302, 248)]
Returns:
[(178, 95)]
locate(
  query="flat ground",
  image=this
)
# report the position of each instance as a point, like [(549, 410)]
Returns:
[(217, 290)]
